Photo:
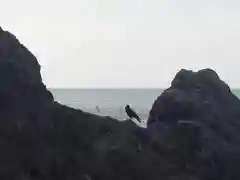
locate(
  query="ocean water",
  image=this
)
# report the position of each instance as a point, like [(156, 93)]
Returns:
[(111, 102)]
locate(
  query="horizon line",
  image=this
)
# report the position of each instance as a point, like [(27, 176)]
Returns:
[(118, 87)]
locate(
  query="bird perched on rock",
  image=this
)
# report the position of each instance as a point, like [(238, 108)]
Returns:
[(131, 113)]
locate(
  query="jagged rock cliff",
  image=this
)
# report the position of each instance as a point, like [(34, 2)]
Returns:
[(204, 100), (41, 139)]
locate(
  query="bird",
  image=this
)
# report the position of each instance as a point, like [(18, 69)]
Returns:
[(131, 113), (98, 110)]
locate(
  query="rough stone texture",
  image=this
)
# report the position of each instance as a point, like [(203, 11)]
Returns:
[(202, 99), (41, 139)]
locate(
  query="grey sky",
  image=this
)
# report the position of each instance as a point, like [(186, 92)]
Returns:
[(127, 43)]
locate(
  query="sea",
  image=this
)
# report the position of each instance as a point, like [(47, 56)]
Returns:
[(111, 102)]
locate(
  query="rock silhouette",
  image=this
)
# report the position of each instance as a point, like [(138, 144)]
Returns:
[(41, 139), (203, 99)]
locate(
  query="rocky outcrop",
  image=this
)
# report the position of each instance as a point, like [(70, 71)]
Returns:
[(41, 139), (202, 99)]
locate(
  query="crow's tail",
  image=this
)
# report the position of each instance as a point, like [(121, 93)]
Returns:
[(138, 118)]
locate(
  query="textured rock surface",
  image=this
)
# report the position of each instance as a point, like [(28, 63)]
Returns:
[(41, 139), (201, 98)]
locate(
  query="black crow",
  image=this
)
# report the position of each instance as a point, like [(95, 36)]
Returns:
[(131, 113)]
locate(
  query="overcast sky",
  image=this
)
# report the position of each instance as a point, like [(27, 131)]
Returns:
[(127, 43)]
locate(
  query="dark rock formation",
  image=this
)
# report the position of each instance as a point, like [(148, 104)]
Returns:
[(41, 139), (202, 100)]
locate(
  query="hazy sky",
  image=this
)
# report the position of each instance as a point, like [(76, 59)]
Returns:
[(127, 43)]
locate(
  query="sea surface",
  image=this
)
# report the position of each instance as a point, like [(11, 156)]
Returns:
[(111, 102)]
